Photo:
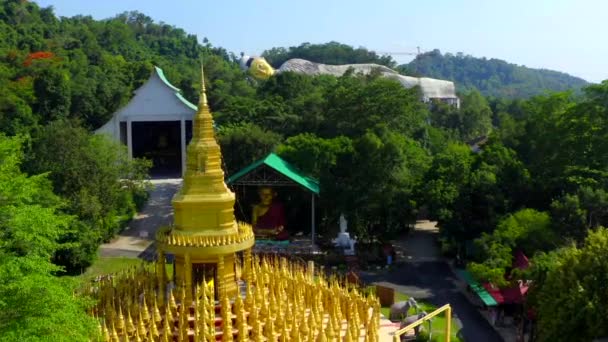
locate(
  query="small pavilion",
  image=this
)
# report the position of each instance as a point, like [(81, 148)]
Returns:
[(273, 171)]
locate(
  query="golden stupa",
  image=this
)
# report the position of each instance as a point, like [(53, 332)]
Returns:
[(205, 232), (219, 290)]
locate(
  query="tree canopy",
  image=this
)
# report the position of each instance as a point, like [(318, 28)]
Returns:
[(492, 77)]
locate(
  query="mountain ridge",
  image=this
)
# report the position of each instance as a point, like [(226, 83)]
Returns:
[(491, 76)]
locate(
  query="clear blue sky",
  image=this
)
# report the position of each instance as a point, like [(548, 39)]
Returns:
[(564, 35)]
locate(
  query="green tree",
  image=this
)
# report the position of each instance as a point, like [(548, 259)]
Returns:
[(475, 116), (98, 179), (357, 104), (382, 169), (448, 175), (572, 302), (575, 214), (312, 154), (527, 230), (52, 91), (34, 304), (243, 144)]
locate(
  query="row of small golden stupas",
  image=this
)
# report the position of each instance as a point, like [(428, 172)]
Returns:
[(244, 234), (281, 301)]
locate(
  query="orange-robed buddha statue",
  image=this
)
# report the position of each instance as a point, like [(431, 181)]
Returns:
[(268, 217)]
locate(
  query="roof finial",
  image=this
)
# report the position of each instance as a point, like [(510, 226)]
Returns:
[(203, 96)]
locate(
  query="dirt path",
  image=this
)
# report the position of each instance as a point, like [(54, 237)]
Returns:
[(139, 235)]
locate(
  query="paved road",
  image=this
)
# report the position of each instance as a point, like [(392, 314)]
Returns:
[(137, 239), (426, 276)]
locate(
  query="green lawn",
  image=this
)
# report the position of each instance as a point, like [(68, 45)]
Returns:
[(103, 266), (438, 323)]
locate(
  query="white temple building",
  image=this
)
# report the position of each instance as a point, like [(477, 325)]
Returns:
[(155, 124)]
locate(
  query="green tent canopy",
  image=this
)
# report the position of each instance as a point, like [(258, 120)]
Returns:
[(481, 292), (279, 165)]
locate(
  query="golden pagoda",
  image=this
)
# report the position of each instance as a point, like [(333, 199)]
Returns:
[(279, 300), (205, 231)]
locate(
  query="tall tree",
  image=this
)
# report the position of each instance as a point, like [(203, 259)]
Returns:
[(34, 304)]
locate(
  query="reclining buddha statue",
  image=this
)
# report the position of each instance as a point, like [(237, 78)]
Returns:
[(430, 88)]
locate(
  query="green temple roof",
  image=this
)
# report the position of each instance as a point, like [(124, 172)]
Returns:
[(284, 168), (178, 93)]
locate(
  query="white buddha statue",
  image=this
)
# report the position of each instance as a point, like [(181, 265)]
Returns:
[(343, 240)]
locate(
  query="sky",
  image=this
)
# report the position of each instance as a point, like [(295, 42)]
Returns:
[(562, 35)]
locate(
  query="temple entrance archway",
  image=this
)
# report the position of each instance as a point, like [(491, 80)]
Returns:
[(159, 142)]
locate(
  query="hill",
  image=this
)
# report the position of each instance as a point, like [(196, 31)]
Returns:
[(85, 69), (492, 77), (329, 53)]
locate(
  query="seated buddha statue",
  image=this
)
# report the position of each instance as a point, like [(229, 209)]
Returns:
[(268, 216)]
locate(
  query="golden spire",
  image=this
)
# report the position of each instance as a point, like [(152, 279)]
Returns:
[(114, 335), (329, 330), (168, 315), (226, 319), (153, 331), (241, 319), (284, 335), (204, 157), (141, 329), (202, 100), (105, 333), (172, 304), (130, 325), (136, 337), (269, 330), (167, 331), (120, 320), (295, 331), (348, 337), (157, 317), (257, 332)]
